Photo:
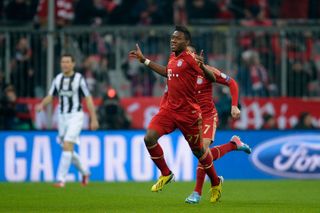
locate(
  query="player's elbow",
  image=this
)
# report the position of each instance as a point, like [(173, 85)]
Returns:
[(210, 77), (233, 83), (89, 102)]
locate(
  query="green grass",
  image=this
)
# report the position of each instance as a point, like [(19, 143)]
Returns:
[(238, 196)]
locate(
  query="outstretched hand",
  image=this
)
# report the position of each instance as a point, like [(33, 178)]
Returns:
[(200, 59), (137, 53)]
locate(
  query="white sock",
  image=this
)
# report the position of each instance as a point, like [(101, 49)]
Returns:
[(64, 166), (77, 163)]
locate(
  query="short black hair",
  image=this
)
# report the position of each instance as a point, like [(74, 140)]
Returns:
[(69, 56), (185, 31)]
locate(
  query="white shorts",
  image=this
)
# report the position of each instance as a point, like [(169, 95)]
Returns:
[(70, 126)]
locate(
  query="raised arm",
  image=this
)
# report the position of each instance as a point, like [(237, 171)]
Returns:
[(161, 70), (205, 68), (215, 75)]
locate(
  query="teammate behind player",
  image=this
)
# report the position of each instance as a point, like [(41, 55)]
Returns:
[(210, 118), (70, 86), (181, 110)]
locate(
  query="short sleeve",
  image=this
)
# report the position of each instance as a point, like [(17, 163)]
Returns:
[(53, 90), (84, 88)]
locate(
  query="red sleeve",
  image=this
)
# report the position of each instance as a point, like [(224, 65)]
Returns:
[(226, 80), (234, 91)]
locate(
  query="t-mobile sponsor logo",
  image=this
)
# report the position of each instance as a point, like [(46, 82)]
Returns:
[(171, 74)]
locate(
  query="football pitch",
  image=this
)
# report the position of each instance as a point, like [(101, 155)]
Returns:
[(237, 196)]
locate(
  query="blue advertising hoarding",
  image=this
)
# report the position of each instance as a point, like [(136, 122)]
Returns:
[(122, 156)]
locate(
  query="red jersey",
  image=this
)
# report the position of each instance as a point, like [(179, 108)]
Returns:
[(164, 98), (205, 92), (182, 73), (204, 95)]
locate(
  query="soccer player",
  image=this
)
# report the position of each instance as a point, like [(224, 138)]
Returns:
[(181, 110), (209, 113), (210, 119), (70, 86)]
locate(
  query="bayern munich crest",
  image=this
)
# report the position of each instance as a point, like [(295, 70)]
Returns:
[(179, 64), (199, 80)]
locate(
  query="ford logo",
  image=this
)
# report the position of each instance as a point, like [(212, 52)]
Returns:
[(294, 156)]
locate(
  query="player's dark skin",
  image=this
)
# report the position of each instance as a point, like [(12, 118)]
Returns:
[(178, 44)]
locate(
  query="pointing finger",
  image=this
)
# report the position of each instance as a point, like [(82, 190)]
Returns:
[(137, 46)]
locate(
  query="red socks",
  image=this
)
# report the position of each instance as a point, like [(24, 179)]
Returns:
[(200, 177), (156, 154), (219, 151), (206, 162), (205, 165)]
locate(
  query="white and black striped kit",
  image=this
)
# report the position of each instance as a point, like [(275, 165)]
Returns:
[(70, 91)]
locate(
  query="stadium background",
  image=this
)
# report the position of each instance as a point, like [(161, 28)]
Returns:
[(271, 47)]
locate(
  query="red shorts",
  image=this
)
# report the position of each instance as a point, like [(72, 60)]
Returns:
[(165, 122), (209, 126)]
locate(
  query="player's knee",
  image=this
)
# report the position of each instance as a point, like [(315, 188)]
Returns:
[(148, 140), (67, 146), (198, 152), (151, 138), (206, 143)]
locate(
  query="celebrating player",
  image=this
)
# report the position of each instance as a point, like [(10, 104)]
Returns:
[(210, 116), (210, 119), (70, 86), (180, 110)]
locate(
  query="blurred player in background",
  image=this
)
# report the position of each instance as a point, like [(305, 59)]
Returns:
[(70, 86), (209, 114), (180, 110)]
